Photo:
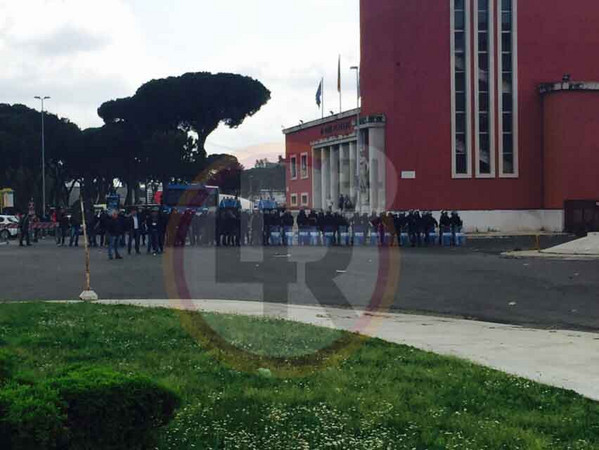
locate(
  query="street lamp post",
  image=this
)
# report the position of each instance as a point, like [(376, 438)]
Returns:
[(42, 98), (358, 141)]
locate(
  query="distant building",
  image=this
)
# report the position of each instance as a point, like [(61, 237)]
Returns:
[(263, 180), (467, 105)]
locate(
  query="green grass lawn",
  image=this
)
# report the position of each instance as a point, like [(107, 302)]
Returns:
[(376, 396)]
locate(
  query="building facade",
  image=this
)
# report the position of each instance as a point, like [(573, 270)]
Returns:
[(467, 105)]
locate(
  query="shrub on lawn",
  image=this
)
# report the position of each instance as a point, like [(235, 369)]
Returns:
[(109, 410), (31, 418), (7, 365)]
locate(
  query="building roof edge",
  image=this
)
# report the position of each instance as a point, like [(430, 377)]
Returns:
[(315, 123)]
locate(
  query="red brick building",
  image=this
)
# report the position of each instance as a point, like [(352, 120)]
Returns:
[(465, 105)]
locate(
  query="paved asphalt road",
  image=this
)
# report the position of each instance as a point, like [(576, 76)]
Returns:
[(473, 282)]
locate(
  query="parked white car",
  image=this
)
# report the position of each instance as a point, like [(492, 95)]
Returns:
[(6, 233)]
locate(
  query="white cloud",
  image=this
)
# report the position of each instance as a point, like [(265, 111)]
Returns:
[(79, 52), (66, 41), (85, 52)]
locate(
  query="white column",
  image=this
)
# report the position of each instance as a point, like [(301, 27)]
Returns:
[(326, 177), (316, 179), (377, 147), (373, 176), (344, 169), (334, 154), (353, 153)]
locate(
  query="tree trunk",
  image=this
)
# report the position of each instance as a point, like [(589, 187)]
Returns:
[(136, 193), (128, 199)]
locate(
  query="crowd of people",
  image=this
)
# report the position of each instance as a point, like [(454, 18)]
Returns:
[(153, 230), (150, 230)]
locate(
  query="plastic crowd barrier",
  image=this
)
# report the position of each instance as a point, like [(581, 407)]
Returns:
[(329, 238), (314, 237)]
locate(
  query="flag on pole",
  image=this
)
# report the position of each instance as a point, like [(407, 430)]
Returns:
[(319, 94)]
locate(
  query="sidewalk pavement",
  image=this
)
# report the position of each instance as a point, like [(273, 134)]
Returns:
[(502, 234), (523, 254), (566, 359), (586, 248)]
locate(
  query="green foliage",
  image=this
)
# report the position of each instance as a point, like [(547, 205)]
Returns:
[(7, 365), (31, 418), (89, 408), (268, 178), (109, 410), (225, 172), (192, 102), (20, 147)]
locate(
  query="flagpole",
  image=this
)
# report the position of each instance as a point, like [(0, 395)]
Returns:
[(322, 97), (339, 84)]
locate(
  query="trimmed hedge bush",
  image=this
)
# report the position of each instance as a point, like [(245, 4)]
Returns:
[(7, 365), (109, 410), (31, 418), (88, 409)]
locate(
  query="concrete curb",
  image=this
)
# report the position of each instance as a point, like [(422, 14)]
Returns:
[(544, 254), (564, 359)]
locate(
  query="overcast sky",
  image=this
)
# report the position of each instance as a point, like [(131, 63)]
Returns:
[(84, 52)]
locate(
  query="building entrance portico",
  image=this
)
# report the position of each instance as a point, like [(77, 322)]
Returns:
[(356, 170), (327, 159)]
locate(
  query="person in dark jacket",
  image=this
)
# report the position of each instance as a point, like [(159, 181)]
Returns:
[(153, 226), (24, 230), (184, 227), (414, 224), (302, 220), (143, 219), (102, 226), (275, 223), (63, 224), (92, 225), (114, 230), (163, 228), (341, 202), (349, 206), (172, 227), (75, 224), (313, 219), (444, 225), (134, 227), (400, 223), (342, 229), (389, 227), (287, 223), (320, 222), (123, 227), (456, 226), (356, 226), (430, 225)]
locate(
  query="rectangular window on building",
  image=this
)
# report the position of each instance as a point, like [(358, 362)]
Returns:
[(304, 165), (293, 199), (460, 63), (507, 87), (305, 199), (484, 85), (293, 167)]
